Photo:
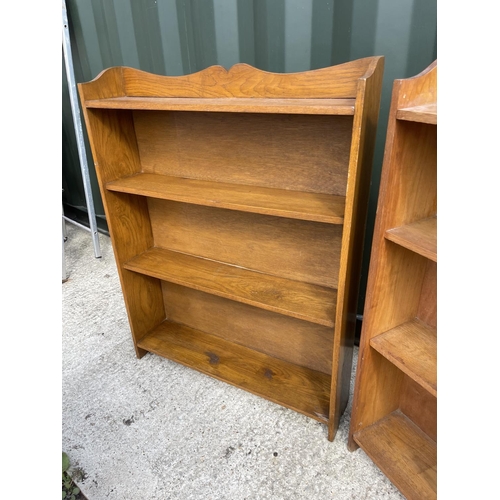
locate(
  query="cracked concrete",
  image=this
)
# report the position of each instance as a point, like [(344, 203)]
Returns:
[(152, 429)]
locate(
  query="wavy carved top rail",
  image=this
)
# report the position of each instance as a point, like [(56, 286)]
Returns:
[(242, 88)]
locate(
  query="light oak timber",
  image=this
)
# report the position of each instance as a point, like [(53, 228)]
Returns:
[(390, 302), (258, 182), (280, 202), (243, 80), (303, 153), (426, 113), (412, 347), (427, 307), (412, 179), (299, 342), (394, 411), (357, 194), (115, 153), (288, 248), (404, 453), (230, 105), (420, 406), (292, 298), (295, 387), (419, 237)]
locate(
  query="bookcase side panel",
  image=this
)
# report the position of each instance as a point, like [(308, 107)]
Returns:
[(115, 154), (360, 167), (420, 89)]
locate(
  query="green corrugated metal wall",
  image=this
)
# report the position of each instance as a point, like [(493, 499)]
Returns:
[(176, 37)]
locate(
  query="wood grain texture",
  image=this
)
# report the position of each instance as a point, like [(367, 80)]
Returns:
[(292, 298), (287, 248), (427, 308), (303, 153), (393, 296), (397, 274), (280, 202), (112, 140), (230, 105), (297, 135), (360, 166), (384, 381), (242, 80), (400, 288), (420, 90), (412, 347), (419, 237), (107, 84), (426, 113), (411, 193), (420, 406), (406, 455), (401, 283), (295, 387), (299, 342)]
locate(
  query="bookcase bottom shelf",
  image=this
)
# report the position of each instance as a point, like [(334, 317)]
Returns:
[(405, 454), (298, 388)]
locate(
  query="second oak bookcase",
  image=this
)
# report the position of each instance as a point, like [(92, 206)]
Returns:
[(236, 204), (395, 399)]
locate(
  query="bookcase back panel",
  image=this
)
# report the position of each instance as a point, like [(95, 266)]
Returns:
[(420, 406), (383, 375), (296, 341), (397, 302), (412, 191), (300, 153), (427, 309), (289, 248)]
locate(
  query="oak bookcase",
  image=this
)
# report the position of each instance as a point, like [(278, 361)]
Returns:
[(395, 399), (236, 203)]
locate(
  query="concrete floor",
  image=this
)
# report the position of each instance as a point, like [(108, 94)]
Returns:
[(152, 429)]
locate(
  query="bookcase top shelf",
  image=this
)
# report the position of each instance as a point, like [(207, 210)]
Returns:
[(230, 104), (426, 113)]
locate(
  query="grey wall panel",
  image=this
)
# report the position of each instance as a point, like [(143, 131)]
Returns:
[(127, 44), (298, 35), (176, 37), (321, 33), (226, 32)]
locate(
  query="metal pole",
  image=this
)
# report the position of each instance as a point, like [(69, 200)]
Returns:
[(68, 59), (64, 272)]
